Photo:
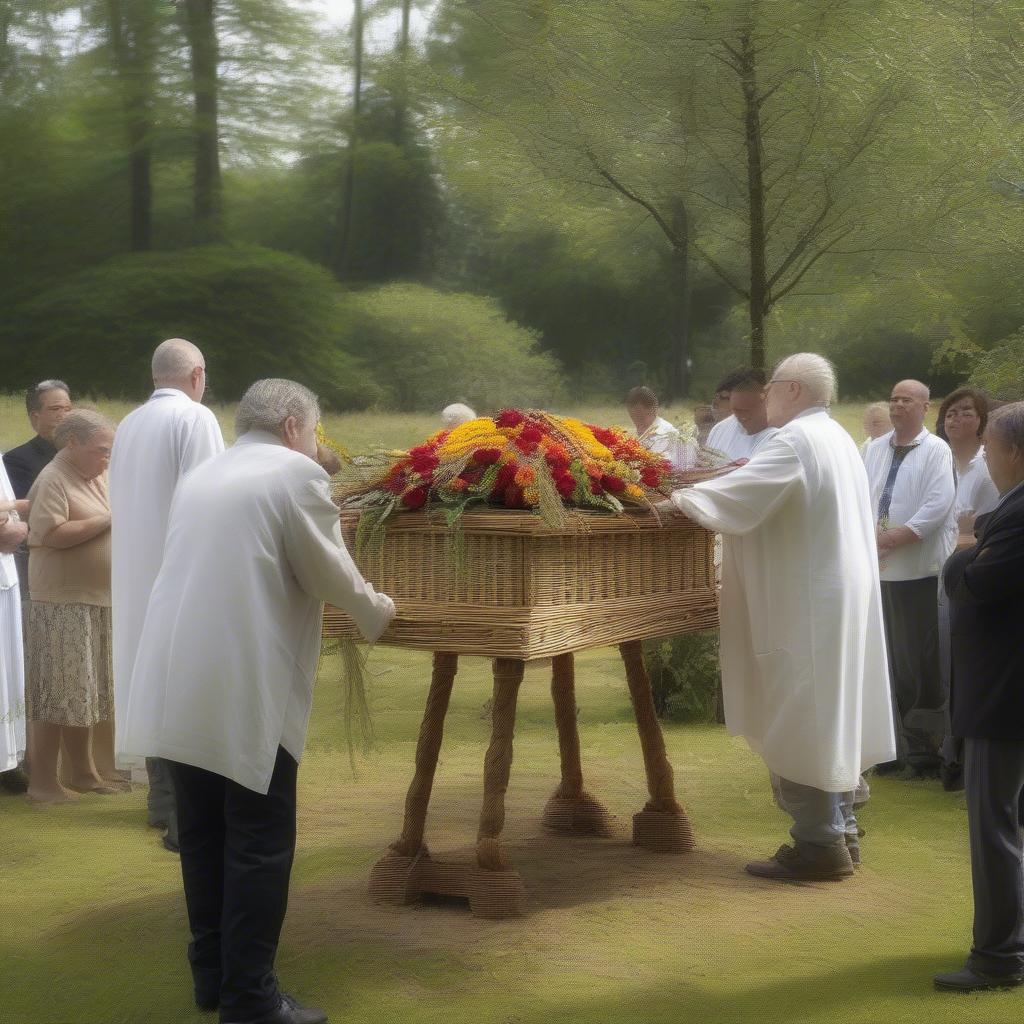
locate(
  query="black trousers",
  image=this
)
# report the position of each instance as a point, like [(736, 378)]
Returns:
[(237, 848), (910, 609), (994, 778)]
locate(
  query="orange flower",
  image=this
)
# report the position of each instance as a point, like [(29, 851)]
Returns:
[(526, 476)]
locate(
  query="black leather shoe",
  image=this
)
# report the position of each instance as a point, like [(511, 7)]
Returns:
[(207, 1003), (967, 980), (289, 1012), (14, 781)]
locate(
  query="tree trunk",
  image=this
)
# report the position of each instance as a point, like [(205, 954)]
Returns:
[(201, 29), (343, 251), (759, 299), (402, 96), (131, 37), (679, 360)]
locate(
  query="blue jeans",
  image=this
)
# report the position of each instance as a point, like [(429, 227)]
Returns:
[(819, 818)]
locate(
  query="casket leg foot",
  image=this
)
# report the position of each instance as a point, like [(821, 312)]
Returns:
[(663, 830), (395, 878), (581, 815)]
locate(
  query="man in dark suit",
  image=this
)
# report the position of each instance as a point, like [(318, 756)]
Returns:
[(47, 404), (985, 584)]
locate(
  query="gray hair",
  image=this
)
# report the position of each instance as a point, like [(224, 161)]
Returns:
[(1008, 423), (80, 425), (268, 403), (457, 414), (814, 373), (174, 360), (34, 395)]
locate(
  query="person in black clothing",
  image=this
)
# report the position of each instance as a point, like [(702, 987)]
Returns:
[(985, 584), (47, 403)]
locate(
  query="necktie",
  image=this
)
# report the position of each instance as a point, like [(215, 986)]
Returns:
[(899, 453)]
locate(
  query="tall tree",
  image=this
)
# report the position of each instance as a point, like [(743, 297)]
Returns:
[(343, 239), (208, 202), (132, 34)]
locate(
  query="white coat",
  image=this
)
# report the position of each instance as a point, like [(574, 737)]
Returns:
[(154, 447), (229, 650), (804, 671)]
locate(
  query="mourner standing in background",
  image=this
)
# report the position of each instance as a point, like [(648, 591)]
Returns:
[(156, 445)]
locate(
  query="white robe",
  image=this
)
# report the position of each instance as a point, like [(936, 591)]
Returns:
[(731, 439), (154, 447), (804, 670), (231, 642), (667, 441), (12, 656)]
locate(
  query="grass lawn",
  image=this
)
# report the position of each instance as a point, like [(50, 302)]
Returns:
[(95, 927)]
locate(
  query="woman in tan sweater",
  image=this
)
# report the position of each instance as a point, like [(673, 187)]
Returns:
[(70, 677)]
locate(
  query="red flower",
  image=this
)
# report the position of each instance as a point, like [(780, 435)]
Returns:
[(396, 484), (421, 451), (609, 438), (595, 487), (506, 475), (486, 456), (509, 418), (566, 485), (472, 476), (416, 497), (513, 497), (613, 483), (425, 464), (650, 476)]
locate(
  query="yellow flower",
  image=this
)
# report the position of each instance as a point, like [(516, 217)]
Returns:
[(634, 493), (531, 496)]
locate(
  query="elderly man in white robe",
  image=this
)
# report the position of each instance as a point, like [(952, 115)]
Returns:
[(803, 649), (155, 446), (223, 684)]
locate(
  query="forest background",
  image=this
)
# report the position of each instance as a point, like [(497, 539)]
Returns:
[(404, 203)]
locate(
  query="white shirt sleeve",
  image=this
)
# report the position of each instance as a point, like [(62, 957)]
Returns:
[(741, 501), (940, 493), (322, 565)]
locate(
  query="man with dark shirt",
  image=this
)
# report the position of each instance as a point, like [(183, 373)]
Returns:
[(47, 404), (985, 584)]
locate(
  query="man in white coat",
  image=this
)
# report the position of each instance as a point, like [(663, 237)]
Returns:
[(223, 684), (154, 447), (803, 649)]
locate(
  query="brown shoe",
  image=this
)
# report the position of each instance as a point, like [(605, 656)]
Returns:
[(806, 863)]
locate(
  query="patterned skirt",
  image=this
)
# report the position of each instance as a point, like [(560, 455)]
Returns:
[(69, 664)]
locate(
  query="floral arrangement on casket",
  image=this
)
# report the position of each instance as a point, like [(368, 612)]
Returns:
[(520, 459)]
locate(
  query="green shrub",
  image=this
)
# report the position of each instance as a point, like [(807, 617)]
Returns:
[(685, 676), (428, 348), (1000, 371), (254, 313)]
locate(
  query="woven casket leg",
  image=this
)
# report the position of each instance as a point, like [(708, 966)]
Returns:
[(495, 889), (662, 825), (571, 810), (392, 879)]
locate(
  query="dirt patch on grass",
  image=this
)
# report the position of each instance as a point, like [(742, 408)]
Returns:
[(580, 894)]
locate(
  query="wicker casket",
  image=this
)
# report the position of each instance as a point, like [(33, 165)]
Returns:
[(522, 590)]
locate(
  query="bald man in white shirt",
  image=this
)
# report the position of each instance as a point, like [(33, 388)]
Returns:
[(913, 491)]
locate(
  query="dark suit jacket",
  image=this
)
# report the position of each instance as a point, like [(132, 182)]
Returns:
[(985, 585), (26, 462)]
